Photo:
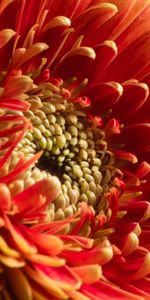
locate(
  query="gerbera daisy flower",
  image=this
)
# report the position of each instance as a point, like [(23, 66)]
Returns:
[(74, 156)]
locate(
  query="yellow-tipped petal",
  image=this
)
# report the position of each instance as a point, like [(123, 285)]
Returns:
[(46, 260), (17, 85), (51, 243), (11, 262), (88, 274), (82, 51), (131, 243), (111, 44), (56, 22), (47, 283), (22, 244), (22, 55), (5, 36), (7, 250), (143, 270), (32, 51)]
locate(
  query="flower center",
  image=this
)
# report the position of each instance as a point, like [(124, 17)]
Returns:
[(74, 149)]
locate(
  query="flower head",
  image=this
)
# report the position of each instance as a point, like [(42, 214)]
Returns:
[(74, 149)]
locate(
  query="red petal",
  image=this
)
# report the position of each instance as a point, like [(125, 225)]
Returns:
[(20, 169), (22, 244), (134, 96), (92, 18), (104, 291), (104, 96), (38, 195), (136, 212), (79, 240), (69, 65), (64, 277), (123, 68), (14, 104), (136, 137), (99, 254)]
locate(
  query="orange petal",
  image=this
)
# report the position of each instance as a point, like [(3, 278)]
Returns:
[(7, 250), (76, 295), (22, 244), (52, 244), (19, 284), (46, 282), (88, 274), (5, 197), (11, 262), (46, 260)]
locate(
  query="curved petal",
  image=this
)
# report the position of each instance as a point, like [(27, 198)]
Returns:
[(134, 96)]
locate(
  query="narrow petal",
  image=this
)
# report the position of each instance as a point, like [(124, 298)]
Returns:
[(64, 277), (14, 104), (22, 244), (11, 262), (134, 96), (46, 282), (47, 188), (106, 52), (19, 284), (50, 243), (82, 241), (7, 250), (16, 85), (88, 274), (68, 66), (92, 18), (104, 96), (98, 254), (103, 290), (27, 54), (5, 197), (5, 36), (46, 260)]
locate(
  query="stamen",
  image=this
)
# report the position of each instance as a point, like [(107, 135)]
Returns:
[(74, 150)]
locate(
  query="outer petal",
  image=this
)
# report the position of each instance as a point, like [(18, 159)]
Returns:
[(104, 291)]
